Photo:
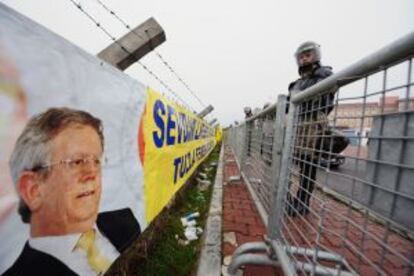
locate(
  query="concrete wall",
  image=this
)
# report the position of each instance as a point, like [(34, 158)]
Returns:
[(394, 202)]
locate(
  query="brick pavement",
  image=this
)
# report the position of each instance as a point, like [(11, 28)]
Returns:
[(361, 251), (240, 215), (363, 242)]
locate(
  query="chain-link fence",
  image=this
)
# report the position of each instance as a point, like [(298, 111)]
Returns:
[(336, 178)]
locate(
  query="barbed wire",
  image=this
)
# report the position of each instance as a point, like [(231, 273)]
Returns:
[(179, 78), (145, 67), (174, 72)]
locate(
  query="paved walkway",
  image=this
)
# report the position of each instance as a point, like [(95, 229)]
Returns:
[(241, 220)]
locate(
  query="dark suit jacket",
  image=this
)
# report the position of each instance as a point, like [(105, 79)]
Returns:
[(120, 227)]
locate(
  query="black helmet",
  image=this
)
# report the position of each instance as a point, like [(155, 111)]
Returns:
[(309, 46)]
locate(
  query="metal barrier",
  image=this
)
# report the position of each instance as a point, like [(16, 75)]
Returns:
[(253, 144), (330, 212)]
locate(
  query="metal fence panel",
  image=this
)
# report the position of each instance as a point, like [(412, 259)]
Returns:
[(370, 223), (256, 152), (350, 211)]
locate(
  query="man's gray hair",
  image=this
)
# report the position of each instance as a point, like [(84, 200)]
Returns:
[(33, 147)]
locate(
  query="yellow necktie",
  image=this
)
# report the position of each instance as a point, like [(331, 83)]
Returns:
[(96, 260)]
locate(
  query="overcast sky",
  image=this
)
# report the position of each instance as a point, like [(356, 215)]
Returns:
[(232, 53)]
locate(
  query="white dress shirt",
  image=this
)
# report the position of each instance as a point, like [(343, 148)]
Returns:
[(64, 249)]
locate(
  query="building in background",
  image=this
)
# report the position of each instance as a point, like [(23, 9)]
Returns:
[(353, 115)]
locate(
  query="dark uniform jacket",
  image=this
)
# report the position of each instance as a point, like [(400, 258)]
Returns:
[(313, 120), (317, 74)]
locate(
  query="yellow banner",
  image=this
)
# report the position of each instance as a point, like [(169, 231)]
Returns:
[(175, 142), (219, 134)]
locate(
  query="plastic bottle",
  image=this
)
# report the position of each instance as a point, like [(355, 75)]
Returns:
[(189, 219)]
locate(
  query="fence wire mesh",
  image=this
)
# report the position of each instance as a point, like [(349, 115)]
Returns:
[(371, 226), (253, 146), (235, 137), (341, 210)]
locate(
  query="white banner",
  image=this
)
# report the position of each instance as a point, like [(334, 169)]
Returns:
[(39, 70)]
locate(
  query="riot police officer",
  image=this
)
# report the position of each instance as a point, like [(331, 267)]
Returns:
[(312, 120)]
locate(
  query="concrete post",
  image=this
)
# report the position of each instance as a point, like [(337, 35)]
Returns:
[(212, 121), (138, 42), (205, 111)]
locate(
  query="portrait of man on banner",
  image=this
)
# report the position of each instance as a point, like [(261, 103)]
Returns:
[(56, 166)]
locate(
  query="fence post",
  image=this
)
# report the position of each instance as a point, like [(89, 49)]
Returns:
[(283, 184), (246, 151), (278, 136)]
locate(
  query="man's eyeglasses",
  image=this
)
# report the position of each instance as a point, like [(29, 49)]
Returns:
[(76, 164)]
